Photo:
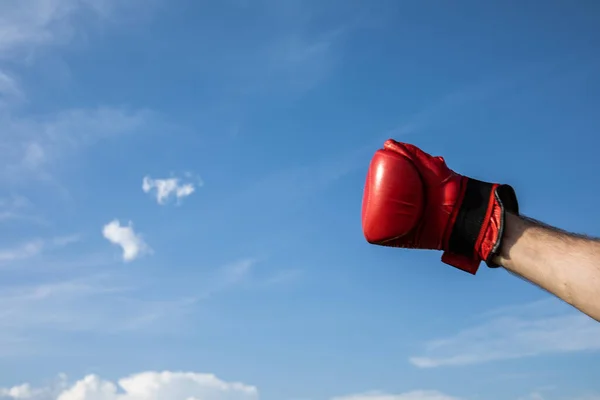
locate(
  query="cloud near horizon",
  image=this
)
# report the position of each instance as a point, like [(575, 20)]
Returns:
[(150, 385), (169, 385), (181, 385)]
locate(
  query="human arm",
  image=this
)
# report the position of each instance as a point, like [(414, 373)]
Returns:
[(414, 200), (564, 264)]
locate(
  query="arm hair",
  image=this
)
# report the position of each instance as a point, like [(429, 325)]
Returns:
[(565, 264)]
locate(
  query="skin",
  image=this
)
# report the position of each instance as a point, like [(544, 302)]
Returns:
[(564, 264)]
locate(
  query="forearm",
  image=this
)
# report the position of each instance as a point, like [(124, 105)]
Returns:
[(564, 264)]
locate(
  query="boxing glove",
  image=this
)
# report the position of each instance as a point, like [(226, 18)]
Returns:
[(413, 200)]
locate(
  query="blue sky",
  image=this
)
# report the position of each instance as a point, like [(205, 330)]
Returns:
[(181, 190)]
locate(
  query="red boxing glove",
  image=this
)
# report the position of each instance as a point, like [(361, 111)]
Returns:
[(413, 200)]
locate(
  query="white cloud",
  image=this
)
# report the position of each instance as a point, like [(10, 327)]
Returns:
[(133, 245), (165, 189), (18, 392), (27, 392), (413, 395), (142, 386), (545, 327), (170, 385)]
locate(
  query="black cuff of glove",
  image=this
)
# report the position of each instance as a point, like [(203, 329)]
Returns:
[(472, 213)]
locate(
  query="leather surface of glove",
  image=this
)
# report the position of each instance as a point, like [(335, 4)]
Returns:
[(413, 200)]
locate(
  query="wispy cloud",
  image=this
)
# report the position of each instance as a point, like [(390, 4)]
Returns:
[(540, 328), (296, 57), (245, 274), (19, 209), (31, 145), (24, 250), (229, 276), (280, 277), (285, 188), (544, 394), (535, 395), (236, 272), (297, 63), (14, 202), (437, 395), (101, 299), (27, 26), (168, 188), (32, 313), (132, 244), (35, 247), (10, 91), (460, 100), (413, 395)]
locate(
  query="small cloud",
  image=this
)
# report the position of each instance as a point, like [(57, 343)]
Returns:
[(132, 244), (165, 189), (542, 327)]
